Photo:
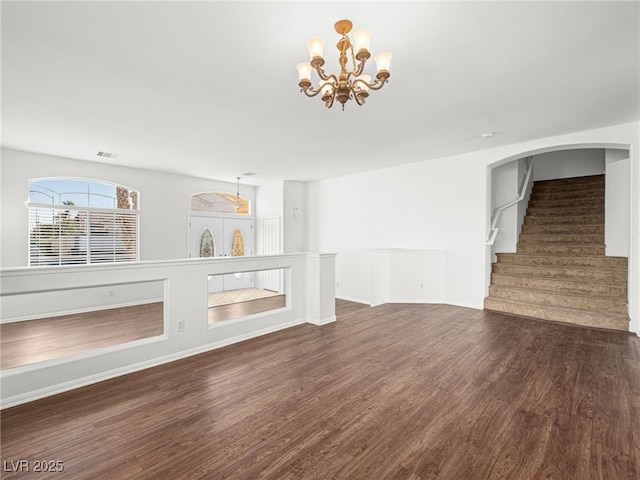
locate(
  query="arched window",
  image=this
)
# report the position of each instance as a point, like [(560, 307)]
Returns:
[(219, 202), (80, 221)]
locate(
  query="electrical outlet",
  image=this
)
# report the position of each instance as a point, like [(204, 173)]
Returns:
[(181, 325), (422, 285)]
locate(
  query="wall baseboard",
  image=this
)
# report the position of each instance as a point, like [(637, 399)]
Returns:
[(416, 301), (323, 321), (351, 299)]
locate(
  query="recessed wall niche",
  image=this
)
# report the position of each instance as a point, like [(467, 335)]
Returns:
[(63, 322), (235, 295)]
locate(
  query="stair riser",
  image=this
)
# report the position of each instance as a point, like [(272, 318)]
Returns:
[(565, 220), (583, 187), (563, 230), (585, 302), (598, 320), (577, 288), (563, 260), (563, 212), (570, 239), (584, 194), (551, 249), (564, 273), (564, 203)]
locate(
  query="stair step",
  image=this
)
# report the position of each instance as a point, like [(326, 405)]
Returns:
[(577, 187), (611, 321), (559, 285), (564, 211), (596, 275), (563, 260), (566, 202), (556, 249), (589, 219), (555, 299), (563, 230), (526, 238), (564, 195)]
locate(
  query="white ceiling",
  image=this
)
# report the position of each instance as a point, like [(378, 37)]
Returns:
[(210, 88)]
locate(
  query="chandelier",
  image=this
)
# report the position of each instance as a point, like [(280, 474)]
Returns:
[(348, 84)]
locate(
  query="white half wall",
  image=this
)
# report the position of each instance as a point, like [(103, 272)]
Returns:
[(310, 297), (442, 204)]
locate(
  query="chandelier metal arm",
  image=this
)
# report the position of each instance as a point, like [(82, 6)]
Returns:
[(363, 82), (360, 68), (328, 101), (378, 84), (360, 97), (309, 91), (324, 76)]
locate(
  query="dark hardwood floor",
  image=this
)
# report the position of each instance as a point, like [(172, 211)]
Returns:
[(391, 392)]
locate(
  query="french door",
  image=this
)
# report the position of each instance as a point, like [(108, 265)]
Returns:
[(218, 236)]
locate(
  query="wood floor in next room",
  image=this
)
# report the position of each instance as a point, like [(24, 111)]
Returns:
[(390, 392), (27, 342)]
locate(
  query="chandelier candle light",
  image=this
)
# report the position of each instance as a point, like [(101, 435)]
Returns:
[(347, 84)]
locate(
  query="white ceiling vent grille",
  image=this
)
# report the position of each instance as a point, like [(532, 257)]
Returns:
[(108, 155)]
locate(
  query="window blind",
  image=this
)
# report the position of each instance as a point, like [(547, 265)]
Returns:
[(63, 236)]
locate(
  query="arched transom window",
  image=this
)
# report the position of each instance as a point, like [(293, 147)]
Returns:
[(219, 202)]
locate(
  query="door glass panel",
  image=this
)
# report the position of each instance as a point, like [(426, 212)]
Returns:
[(237, 247), (207, 244)]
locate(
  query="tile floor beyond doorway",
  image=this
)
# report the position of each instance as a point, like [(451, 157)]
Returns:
[(240, 295)]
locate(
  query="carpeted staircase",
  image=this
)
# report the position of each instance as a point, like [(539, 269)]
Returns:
[(560, 271)]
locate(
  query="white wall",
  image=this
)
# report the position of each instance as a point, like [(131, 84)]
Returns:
[(569, 163), (419, 206), (86, 299), (285, 200), (441, 204), (269, 204), (294, 217), (528, 188), (617, 202), (506, 182), (504, 189), (164, 202)]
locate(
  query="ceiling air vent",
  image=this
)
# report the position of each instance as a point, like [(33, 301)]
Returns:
[(108, 155), (248, 174)]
